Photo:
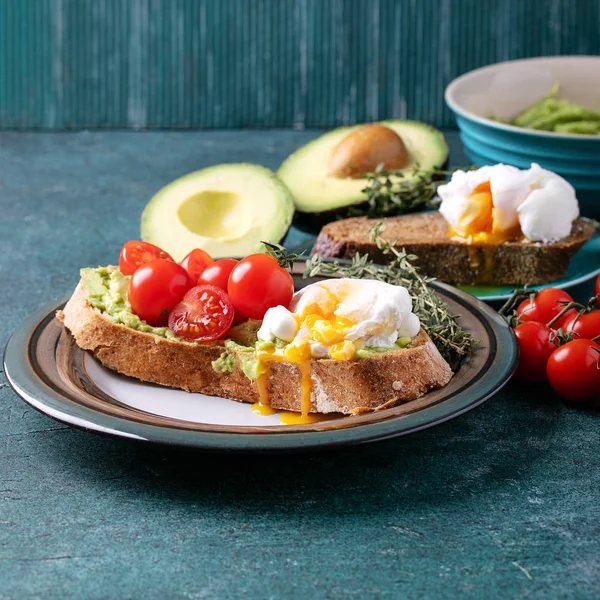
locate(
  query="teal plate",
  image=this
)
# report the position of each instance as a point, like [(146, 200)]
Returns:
[(47, 370), (584, 266)]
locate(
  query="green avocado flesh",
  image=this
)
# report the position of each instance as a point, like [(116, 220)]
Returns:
[(306, 171), (225, 363), (401, 343), (106, 289), (226, 210)]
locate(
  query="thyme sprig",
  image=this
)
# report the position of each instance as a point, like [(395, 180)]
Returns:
[(284, 258), (451, 339), (392, 193)]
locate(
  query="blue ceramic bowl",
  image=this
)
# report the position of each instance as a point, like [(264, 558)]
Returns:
[(504, 90)]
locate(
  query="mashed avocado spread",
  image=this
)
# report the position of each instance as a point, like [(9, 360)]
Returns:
[(225, 363), (249, 364), (401, 343), (106, 290)]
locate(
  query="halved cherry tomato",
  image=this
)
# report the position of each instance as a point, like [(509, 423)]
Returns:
[(218, 273), (586, 326), (258, 283), (195, 263), (574, 370), (205, 314), (155, 288), (134, 254), (535, 349), (545, 306)]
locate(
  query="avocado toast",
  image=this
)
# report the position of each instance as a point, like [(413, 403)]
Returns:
[(101, 321), (425, 235), (496, 225)]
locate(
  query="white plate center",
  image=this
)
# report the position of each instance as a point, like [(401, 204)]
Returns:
[(176, 404)]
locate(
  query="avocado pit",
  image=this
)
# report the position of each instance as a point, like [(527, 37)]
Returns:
[(214, 214), (364, 149)]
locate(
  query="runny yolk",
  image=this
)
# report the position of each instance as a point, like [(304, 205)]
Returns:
[(479, 216), (264, 410), (327, 330), (323, 327), (480, 221), (343, 350), (300, 356)]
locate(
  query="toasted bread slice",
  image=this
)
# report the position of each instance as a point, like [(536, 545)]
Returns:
[(347, 387), (426, 236)]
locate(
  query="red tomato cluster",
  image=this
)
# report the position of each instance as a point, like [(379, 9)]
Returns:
[(560, 343), (201, 298)]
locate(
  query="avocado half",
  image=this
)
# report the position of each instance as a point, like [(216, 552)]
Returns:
[(320, 197), (227, 210)]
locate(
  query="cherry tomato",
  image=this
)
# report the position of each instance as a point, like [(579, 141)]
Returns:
[(155, 288), (597, 290), (135, 253), (258, 283), (205, 314), (195, 263), (239, 316), (535, 348), (545, 306), (574, 370), (218, 273), (586, 326)]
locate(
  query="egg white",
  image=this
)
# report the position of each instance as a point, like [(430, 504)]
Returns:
[(381, 313), (541, 202)]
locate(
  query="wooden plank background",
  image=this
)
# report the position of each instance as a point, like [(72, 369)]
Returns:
[(141, 64)]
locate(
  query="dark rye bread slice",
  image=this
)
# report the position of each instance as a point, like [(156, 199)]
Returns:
[(426, 236), (348, 387)]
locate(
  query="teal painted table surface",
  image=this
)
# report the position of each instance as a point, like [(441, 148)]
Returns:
[(500, 503)]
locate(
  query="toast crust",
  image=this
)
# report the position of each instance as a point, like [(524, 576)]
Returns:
[(426, 236), (348, 387)]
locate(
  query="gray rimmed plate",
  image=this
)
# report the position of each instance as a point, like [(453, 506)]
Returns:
[(45, 368)]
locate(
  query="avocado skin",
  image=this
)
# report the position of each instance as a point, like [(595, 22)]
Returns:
[(274, 230), (313, 222), (305, 169)]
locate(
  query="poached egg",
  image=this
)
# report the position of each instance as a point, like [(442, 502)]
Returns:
[(498, 203), (332, 319), (336, 317)]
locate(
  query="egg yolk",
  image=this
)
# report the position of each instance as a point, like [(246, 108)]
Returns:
[(479, 215), (324, 327), (481, 219), (342, 350), (327, 330)]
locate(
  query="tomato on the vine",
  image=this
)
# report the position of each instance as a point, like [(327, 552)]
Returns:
[(155, 288), (196, 262), (258, 283), (545, 306), (535, 347), (586, 325), (205, 314), (134, 254), (574, 370)]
